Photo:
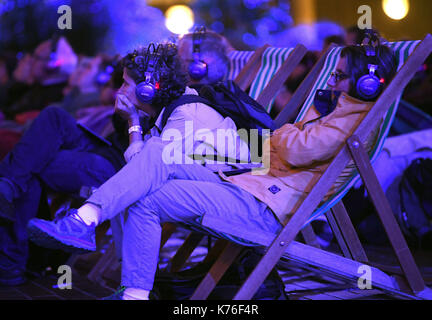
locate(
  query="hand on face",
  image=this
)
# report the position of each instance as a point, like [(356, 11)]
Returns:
[(125, 108), (4, 77), (127, 90), (85, 75)]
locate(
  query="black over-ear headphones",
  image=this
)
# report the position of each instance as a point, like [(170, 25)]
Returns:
[(105, 75), (369, 86), (145, 91), (197, 68)]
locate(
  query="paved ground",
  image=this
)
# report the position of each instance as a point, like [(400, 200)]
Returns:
[(300, 283)]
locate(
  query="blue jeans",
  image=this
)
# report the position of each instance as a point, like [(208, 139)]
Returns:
[(54, 153), (156, 193)]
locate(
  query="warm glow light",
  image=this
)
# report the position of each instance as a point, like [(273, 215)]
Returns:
[(179, 19), (396, 9)]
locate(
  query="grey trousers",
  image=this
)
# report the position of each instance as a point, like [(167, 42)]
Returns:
[(155, 192)]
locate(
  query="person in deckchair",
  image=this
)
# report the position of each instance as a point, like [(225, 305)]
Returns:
[(53, 154), (157, 191)]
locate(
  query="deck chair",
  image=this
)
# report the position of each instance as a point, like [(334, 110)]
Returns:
[(408, 282), (264, 71)]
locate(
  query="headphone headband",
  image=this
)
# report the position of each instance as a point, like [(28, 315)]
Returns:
[(146, 90), (197, 38), (369, 85), (53, 62), (197, 68)]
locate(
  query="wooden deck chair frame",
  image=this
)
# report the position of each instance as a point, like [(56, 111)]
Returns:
[(244, 79), (408, 283)]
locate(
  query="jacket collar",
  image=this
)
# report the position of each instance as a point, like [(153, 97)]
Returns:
[(188, 91)]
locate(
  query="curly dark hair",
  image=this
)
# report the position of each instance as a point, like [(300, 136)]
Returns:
[(170, 75)]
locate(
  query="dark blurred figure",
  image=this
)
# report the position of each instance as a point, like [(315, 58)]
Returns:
[(54, 154), (294, 80), (7, 65), (418, 91), (86, 84), (39, 78), (354, 35)]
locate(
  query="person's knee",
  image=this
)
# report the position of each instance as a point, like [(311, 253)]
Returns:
[(53, 114), (52, 111), (151, 152), (144, 209)]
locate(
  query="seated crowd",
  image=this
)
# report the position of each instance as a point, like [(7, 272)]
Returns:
[(100, 123)]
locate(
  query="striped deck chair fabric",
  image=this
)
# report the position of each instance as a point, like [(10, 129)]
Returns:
[(238, 60), (272, 60)]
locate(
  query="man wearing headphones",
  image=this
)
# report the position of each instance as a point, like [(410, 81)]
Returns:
[(205, 56), (41, 77), (163, 192)]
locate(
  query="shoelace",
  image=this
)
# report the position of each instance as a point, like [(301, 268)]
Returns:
[(120, 291), (73, 213)]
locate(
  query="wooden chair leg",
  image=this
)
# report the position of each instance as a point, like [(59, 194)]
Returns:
[(184, 252), (346, 235), (167, 231), (385, 213), (338, 235), (215, 251), (107, 259), (216, 272), (310, 236)]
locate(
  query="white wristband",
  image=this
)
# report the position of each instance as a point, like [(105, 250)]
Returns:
[(137, 129)]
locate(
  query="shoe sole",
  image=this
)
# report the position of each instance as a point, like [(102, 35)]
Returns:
[(42, 237)]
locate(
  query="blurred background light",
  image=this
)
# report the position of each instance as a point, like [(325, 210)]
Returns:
[(396, 9), (217, 26), (179, 19)]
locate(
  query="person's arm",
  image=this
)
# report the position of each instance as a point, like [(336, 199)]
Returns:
[(128, 111), (317, 142), (192, 130), (135, 129)]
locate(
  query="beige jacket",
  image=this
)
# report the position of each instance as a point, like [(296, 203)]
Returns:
[(301, 152)]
